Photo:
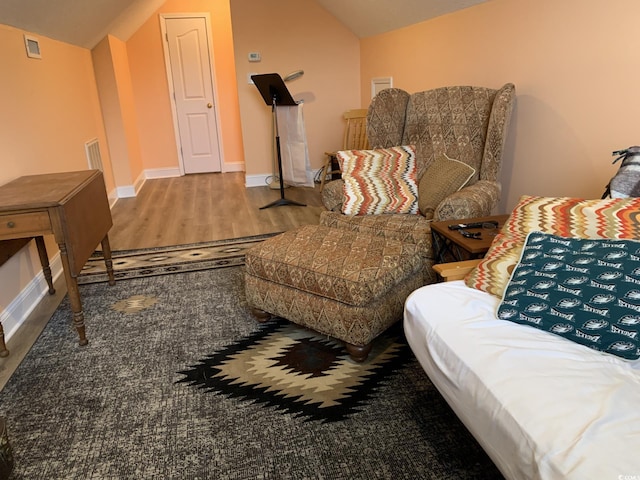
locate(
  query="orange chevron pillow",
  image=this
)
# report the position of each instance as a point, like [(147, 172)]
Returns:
[(379, 181), (562, 216)]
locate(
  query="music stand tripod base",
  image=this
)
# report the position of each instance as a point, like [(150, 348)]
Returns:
[(283, 201)]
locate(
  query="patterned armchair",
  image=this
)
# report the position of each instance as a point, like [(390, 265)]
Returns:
[(466, 123)]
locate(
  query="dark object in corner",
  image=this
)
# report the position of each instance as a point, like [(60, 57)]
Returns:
[(6, 452)]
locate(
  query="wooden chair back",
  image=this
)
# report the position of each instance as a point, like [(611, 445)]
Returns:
[(355, 138), (355, 133)]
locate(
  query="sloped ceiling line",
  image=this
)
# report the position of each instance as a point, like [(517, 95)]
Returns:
[(84, 23)]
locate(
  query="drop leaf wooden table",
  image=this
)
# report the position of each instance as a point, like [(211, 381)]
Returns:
[(73, 206)]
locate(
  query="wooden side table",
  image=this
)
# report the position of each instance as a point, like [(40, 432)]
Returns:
[(73, 206), (452, 246)]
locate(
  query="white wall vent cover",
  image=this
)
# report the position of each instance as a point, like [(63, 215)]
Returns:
[(94, 158), (33, 46)]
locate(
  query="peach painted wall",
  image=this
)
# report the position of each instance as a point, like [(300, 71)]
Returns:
[(151, 91), (38, 97), (292, 35), (49, 108), (122, 72), (575, 67), (111, 67)]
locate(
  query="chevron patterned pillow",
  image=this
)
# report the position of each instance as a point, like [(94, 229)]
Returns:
[(379, 181), (563, 216)]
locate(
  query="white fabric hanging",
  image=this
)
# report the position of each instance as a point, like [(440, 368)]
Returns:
[(296, 167)]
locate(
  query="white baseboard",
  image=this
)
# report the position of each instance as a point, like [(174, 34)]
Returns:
[(139, 182), (126, 191), (264, 179), (257, 180), (21, 307), (162, 173), (113, 197)]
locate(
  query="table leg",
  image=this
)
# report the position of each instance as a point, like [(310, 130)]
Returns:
[(441, 247), (44, 261), (3, 347), (74, 296), (446, 250), (106, 251)]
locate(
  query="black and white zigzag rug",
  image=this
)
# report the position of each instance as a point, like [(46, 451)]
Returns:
[(297, 371)]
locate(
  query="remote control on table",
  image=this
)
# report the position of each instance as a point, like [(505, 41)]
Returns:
[(460, 226)]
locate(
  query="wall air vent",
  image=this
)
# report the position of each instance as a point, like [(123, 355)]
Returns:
[(380, 83), (33, 46), (94, 158)]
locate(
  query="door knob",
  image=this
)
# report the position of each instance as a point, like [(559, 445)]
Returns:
[(209, 105)]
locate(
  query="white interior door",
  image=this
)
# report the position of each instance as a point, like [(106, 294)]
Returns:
[(190, 65)]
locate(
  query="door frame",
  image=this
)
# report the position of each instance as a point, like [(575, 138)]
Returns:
[(172, 99)]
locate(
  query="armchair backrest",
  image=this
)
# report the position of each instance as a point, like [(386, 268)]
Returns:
[(386, 118), (467, 123)]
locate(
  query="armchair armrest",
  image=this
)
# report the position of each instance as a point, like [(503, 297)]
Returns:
[(332, 196), (455, 270), (477, 200)]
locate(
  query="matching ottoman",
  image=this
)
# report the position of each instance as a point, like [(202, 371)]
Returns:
[(347, 285)]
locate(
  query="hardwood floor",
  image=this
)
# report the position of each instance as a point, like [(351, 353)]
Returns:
[(203, 207), (176, 211)]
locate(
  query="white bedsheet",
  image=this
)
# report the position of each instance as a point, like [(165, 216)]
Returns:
[(540, 405)]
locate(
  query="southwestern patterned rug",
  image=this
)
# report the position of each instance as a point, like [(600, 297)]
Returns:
[(119, 408), (298, 371), (149, 262)]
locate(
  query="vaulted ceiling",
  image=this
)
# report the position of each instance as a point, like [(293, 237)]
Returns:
[(371, 17), (78, 22), (85, 23)]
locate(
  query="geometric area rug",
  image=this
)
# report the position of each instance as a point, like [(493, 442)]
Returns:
[(297, 371)]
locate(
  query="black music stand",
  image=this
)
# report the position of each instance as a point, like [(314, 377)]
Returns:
[(274, 92)]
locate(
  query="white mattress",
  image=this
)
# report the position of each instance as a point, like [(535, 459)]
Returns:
[(540, 405)]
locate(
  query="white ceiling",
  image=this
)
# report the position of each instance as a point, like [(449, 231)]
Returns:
[(86, 22)]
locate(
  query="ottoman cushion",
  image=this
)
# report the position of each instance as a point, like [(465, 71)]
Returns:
[(348, 267)]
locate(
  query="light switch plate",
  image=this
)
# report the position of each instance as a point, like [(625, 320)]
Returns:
[(254, 56)]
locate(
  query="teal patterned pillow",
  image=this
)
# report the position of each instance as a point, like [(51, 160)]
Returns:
[(585, 290)]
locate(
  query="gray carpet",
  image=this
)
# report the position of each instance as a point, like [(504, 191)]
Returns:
[(115, 410)]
